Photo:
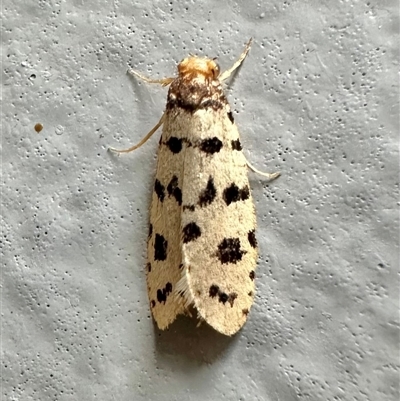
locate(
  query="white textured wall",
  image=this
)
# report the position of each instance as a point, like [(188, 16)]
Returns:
[(316, 99)]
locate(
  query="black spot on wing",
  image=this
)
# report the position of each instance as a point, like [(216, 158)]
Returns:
[(163, 293), (252, 275), (174, 144), (252, 238), (229, 251), (208, 194), (191, 232), (222, 297), (174, 190), (214, 289), (148, 266), (190, 208), (211, 145), (234, 194), (160, 248), (159, 189), (230, 116), (231, 194), (245, 311), (150, 230), (231, 298), (153, 303), (236, 145), (177, 194), (245, 193), (172, 184)]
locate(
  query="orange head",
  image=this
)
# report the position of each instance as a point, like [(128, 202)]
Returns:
[(198, 67)]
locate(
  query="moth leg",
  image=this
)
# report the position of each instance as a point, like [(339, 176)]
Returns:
[(163, 81), (269, 176), (226, 74), (157, 126)]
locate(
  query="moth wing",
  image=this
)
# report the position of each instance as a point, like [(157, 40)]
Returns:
[(218, 223), (164, 265)]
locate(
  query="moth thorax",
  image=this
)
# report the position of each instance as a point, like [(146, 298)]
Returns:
[(198, 67)]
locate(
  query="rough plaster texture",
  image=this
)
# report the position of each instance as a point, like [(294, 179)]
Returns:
[(317, 99)]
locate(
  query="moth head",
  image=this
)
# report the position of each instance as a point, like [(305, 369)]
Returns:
[(198, 67)]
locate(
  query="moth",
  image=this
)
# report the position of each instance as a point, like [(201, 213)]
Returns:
[(202, 248)]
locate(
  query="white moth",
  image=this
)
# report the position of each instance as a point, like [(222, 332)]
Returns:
[(202, 249)]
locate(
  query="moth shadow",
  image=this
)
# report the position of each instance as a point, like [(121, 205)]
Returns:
[(184, 341)]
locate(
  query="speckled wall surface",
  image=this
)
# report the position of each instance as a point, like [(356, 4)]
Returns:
[(316, 99)]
